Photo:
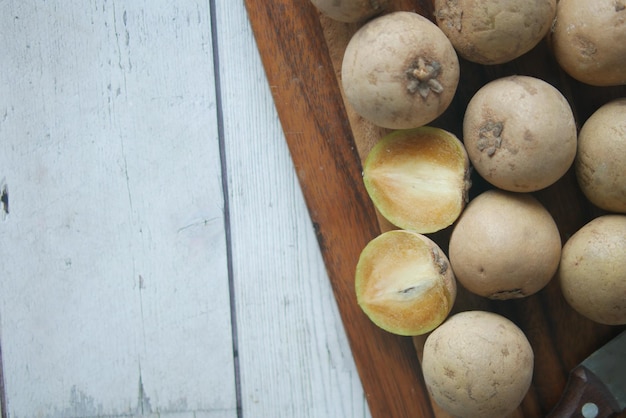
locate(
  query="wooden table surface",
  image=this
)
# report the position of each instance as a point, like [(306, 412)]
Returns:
[(156, 254)]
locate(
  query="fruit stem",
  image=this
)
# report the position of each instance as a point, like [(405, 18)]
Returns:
[(422, 77)]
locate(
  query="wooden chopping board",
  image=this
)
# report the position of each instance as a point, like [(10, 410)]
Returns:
[(301, 53)]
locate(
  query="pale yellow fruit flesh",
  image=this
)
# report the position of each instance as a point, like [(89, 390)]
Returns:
[(418, 178), (404, 283)]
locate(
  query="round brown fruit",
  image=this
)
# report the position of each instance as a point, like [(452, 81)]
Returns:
[(418, 178), (520, 133), (592, 273), (399, 71), (350, 11), (478, 364), (589, 40), (404, 283), (504, 245), (494, 31), (600, 157)]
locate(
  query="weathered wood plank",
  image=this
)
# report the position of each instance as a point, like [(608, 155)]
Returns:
[(112, 257), (294, 356)]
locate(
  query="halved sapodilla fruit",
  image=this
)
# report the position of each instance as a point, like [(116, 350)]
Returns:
[(418, 178), (404, 283)]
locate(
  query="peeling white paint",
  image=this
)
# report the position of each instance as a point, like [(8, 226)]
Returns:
[(110, 144), (113, 266)]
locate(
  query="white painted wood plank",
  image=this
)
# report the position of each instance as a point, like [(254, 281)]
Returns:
[(112, 258), (294, 356)]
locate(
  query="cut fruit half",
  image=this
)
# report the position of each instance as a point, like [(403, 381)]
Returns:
[(404, 283), (418, 179)]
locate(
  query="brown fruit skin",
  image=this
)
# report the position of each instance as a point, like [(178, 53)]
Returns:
[(478, 364), (404, 283), (599, 164), (350, 11), (492, 31), (399, 71), (589, 40), (592, 273), (520, 133), (418, 178), (504, 245)]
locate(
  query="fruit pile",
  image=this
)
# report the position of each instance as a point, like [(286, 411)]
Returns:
[(400, 71)]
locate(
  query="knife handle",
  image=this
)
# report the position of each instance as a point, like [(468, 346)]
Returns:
[(585, 396)]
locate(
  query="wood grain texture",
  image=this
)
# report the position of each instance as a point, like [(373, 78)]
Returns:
[(322, 148), (114, 281), (294, 359), (114, 289), (293, 50)]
